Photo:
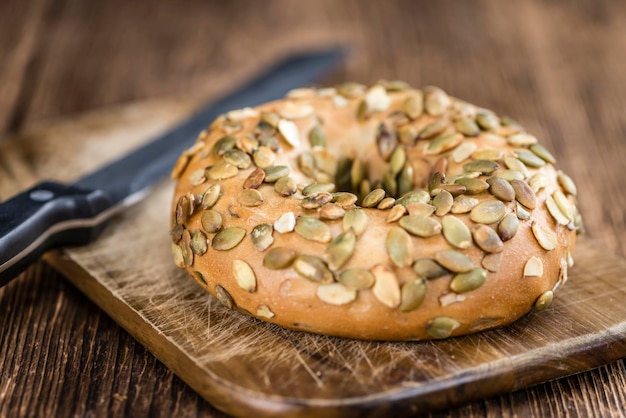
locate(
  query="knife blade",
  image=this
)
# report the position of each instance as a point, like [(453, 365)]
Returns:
[(53, 214)]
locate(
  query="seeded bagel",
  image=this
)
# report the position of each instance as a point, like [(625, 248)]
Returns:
[(383, 213)]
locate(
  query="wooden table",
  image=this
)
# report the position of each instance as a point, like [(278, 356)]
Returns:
[(557, 68)]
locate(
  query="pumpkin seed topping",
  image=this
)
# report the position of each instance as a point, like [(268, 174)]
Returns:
[(487, 120), (513, 163), (222, 170), (264, 157), (454, 261), (386, 287), (211, 221), (275, 172), (564, 204), (198, 243), (543, 153), (473, 186), (487, 154), (436, 101), (544, 301), (413, 105), (395, 213), (312, 268), (509, 175), (224, 297), (428, 268), (522, 139), (407, 134), (377, 99), (463, 204), (556, 212), (546, 238), (386, 142), (507, 228), (456, 232), (488, 212), (244, 275), (420, 209), (197, 177), (271, 118), (373, 198), (187, 252), (289, 132), (306, 163), (228, 238), (312, 229), (279, 258), (386, 203), (463, 151), (285, 223), (467, 127), (420, 226), (224, 144), (419, 196), (533, 267), (262, 236), (177, 252), (524, 194), (487, 239), (441, 327), (183, 209), (255, 179), (412, 294), (399, 247), (316, 200), (443, 203), (344, 199), (340, 250), (325, 161), (481, 166), (433, 129), (492, 262), (250, 197), (443, 143), (450, 298), (356, 278), (331, 212), (247, 144), (336, 294), (315, 188), (501, 188), (471, 280), (317, 137), (264, 311), (522, 212), (566, 183), (237, 158), (530, 159), (397, 160), (285, 186), (355, 219), (241, 114)]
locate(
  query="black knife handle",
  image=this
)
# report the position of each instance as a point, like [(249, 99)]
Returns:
[(45, 216)]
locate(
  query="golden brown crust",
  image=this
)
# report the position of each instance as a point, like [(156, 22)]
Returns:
[(400, 138)]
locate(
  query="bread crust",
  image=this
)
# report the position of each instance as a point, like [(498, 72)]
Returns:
[(350, 121)]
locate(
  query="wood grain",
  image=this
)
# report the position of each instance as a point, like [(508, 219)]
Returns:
[(556, 67)]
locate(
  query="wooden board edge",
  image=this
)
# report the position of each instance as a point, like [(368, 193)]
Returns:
[(480, 383)]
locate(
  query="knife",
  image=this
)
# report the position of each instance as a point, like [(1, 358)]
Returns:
[(53, 214)]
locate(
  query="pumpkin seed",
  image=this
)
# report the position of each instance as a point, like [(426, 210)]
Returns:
[(289, 132), (433, 129), (492, 262), (211, 221), (538, 182), (228, 238), (358, 279), (413, 105), (377, 99), (224, 144), (420, 226), (344, 199), (454, 261), (187, 252), (357, 173), (467, 127), (471, 280), (463, 204), (247, 144), (472, 186), (566, 183), (529, 158), (177, 233), (436, 101), (533, 267), (407, 134), (507, 228), (285, 223), (275, 172), (420, 209), (373, 198), (453, 189), (522, 212), (224, 297), (264, 157), (546, 238), (198, 242), (317, 137), (389, 183), (481, 166), (487, 154), (255, 179), (544, 300), (399, 246), (183, 209), (222, 170), (487, 120), (350, 89), (405, 179), (521, 139), (336, 294), (443, 203), (279, 258), (270, 118), (262, 236), (443, 143), (524, 194), (312, 268), (450, 298), (386, 141), (386, 287), (306, 163), (456, 232), (244, 275), (501, 188), (509, 175), (241, 114), (463, 151), (564, 204), (556, 212), (395, 85), (488, 212), (428, 268), (331, 212), (513, 163), (264, 311), (237, 158), (177, 252), (386, 203), (250, 197), (316, 200), (487, 239), (397, 160), (285, 186), (312, 229), (340, 250), (412, 295), (418, 196), (355, 219), (197, 177), (543, 153), (325, 161), (395, 213), (441, 327)]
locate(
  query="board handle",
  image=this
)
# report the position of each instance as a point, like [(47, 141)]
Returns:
[(46, 216)]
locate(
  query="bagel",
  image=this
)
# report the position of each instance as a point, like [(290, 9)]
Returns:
[(382, 213)]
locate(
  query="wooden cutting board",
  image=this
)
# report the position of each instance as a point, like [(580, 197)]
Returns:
[(246, 367)]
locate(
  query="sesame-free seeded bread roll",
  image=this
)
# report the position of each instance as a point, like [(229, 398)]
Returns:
[(384, 213)]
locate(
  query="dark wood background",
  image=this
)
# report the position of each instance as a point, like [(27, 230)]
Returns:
[(557, 67)]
